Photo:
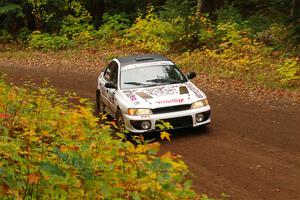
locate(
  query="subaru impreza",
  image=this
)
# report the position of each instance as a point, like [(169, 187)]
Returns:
[(143, 91)]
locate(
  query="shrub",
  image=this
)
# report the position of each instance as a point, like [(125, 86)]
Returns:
[(46, 41), (289, 71), (23, 34), (229, 14), (77, 26), (5, 36), (53, 149), (152, 33), (73, 29), (276, 35), (113, 27)]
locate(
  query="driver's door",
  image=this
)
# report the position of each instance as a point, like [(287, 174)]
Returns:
[(110, 75)]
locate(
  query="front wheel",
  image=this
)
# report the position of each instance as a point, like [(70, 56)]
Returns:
[(120, 121), (99, 102)]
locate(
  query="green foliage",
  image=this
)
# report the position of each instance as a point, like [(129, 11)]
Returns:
[(176, 8), (78, 21), (276, 35), (46, 41), (23, 34), (9, 14), (152, 33), (75, 30), (11, 9), (200, 32), (241, 36), (5, 36), (53, 149), (114, 26), (289, 71), (41, 14), (229, 14), (77, 26), (229, 33)]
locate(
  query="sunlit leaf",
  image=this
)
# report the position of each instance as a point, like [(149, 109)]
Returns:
[(165, 135)]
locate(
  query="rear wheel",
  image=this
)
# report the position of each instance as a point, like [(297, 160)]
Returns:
[(120, 121), (99, 102)]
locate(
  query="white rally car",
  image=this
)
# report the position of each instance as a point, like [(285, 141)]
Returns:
[(141, 91)]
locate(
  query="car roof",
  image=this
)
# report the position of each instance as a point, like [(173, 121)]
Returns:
[(142, 58)]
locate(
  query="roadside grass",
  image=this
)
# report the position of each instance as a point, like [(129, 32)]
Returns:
[(250, 72)]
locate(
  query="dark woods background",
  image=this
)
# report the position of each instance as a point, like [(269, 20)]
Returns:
[(47, 15)]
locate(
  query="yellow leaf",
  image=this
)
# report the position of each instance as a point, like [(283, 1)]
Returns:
[(165, 135)]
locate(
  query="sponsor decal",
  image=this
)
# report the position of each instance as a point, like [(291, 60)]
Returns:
[(194, 89), (132, 97), (170, 101), (162, 90)]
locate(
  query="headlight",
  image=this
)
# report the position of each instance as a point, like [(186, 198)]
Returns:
[(139, 111), (199, 104)]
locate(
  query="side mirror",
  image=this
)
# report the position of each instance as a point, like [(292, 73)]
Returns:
[(110, 85), (191, 75)]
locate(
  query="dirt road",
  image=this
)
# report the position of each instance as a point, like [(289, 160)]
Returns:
[(250, 150)]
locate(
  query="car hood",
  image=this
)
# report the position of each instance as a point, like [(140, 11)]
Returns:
[(163, 96)]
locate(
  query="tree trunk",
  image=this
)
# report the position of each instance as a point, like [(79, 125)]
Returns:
[(295, 8), (38, 23), (292, 11), (199, 7), (209, 6), (96, 9), (199, 10)]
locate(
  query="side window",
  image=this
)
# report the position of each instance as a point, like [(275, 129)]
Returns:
[(111, 72)]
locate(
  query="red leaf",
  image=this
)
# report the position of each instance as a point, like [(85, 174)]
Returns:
[(3, 115)]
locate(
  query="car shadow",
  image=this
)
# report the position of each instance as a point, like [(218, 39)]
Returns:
[(180, 133)]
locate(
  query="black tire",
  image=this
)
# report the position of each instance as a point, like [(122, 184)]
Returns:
[(120, 121), (99, 102)]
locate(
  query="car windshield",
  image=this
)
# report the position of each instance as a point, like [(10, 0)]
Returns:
[(149, 76)]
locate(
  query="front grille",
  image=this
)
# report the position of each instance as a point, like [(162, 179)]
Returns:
[(171, 109), (178, 122)]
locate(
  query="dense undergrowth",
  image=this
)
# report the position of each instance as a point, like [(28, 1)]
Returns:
[(51, 148)]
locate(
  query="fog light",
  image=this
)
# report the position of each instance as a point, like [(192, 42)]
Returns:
[(199, 117), (145, 125)]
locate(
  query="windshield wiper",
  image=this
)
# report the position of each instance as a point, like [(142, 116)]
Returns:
[(134, 83), (137, 83), (157, 80), (176, 81), (171, 81)]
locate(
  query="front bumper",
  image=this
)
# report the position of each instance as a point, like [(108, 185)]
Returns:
[(179, 119)]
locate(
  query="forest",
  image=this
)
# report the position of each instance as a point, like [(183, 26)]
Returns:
[(255, 40), (51, 147)]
